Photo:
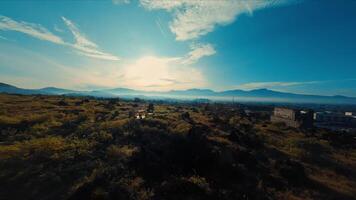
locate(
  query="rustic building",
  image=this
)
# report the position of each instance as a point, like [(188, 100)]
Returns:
[(293, 117)]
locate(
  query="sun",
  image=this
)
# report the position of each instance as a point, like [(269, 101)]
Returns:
[(160, 73)]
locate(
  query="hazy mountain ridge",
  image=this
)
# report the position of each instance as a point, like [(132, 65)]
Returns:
[(265, 94), (56, 90)]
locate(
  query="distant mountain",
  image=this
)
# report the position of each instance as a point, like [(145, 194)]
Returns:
[(262, 95), (192, 92), (121, 91), (54, 90), (256, 93), (6, 88), (5, 85)]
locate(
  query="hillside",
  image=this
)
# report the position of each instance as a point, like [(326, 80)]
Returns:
[(55, 147)]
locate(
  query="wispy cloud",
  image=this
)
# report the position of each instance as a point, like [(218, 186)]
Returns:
[(197, 52), (34, 30), (195, 18), (80, 39), (31, 72), (82, 45), (56, 28), (3, 38), (158, 23), (260, 85), (121, 1), (173, 81)]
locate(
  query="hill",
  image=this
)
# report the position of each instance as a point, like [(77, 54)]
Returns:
[(54, 90), (259, 95)]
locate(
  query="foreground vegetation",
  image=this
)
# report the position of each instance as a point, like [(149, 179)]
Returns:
[(54, 147)]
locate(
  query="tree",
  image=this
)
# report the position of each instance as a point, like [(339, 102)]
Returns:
[(150, 107)]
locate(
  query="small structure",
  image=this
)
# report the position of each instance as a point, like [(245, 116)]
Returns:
[(141, 114), (329, 118), (349, 114), (293, 117)]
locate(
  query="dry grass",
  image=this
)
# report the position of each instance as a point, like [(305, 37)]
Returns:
[(88, 140)]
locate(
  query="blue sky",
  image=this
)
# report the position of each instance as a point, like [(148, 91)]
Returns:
[(301, 46)]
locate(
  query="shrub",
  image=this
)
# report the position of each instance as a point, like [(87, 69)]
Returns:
[(9, 121), (293, 171), (201, 182), (51, 147), (150, 107), (101, 136), (125, 151)]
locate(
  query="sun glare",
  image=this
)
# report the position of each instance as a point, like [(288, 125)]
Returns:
[(160, 73)]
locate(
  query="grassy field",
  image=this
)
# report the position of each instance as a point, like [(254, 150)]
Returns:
[(54, 147)]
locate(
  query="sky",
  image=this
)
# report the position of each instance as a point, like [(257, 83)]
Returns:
[(299, 46)]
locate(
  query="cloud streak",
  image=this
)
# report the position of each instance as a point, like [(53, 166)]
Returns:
[(195, 18), (4, 38), (82, 45), (118, 2), (33, 30), (158, 23), (260, 85), (197, 52)]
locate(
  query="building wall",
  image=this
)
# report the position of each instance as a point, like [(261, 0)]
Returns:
[(293, 118), (285, 113), (288, 122)]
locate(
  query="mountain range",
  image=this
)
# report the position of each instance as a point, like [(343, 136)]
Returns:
[(258, 95)]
